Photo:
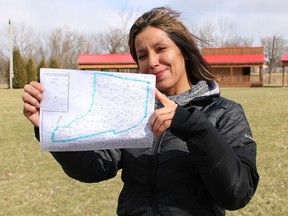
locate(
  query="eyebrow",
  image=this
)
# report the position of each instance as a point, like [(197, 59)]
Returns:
[(140, 51)]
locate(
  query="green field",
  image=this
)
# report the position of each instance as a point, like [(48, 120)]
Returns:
[(32, 183)]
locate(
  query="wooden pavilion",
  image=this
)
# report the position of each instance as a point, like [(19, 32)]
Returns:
[(236, 66), (108, 62), (232, 66), (284, 61)]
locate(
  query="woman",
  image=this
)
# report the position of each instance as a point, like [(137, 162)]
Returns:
[(203, 159)]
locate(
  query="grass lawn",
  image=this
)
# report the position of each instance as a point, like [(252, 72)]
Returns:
[(32, 183)]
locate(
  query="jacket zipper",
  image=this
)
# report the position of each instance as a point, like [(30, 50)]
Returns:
[(153, 173)]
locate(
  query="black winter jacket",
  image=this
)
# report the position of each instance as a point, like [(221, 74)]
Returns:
[(204, 164)]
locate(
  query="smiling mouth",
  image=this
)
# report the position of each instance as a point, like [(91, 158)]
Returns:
[(159, 73)]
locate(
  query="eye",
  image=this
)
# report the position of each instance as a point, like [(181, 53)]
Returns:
[(160, 49), (142, 56)]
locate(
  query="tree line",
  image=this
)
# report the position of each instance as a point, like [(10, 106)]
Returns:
[(61, 47)]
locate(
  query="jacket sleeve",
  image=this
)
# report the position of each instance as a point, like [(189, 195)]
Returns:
[(225, 153), (88, 166)]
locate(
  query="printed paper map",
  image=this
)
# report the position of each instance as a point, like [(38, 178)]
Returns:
[(90, 110)]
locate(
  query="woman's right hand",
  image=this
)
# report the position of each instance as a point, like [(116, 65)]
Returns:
[(32, 96)]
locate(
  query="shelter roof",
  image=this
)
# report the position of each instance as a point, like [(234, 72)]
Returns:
[(234, 55), (285, 58), (123, 58), (231, 55), (234, 59)]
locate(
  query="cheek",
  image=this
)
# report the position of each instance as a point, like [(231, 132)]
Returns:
[(179, 61), (168, 58), (142, 67)]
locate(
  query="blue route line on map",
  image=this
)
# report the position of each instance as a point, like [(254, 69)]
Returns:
[(90, 108)]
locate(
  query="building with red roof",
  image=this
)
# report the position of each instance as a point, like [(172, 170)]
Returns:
[(231, 66), (107, 62), (284, 60)]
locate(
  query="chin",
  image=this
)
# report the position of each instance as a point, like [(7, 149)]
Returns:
[(162, 87), (162, 90)]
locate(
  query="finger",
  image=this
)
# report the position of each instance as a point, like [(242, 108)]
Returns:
[(162, 128), (28, 99), (32, 114), (161, 118), (161, 112), (162, 123), (35, 90), (37, 85), (163, 98), (28, 109)]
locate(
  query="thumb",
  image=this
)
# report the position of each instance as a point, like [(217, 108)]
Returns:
[(163, 98)]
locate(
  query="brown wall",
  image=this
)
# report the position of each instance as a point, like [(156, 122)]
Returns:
[(233, 51), (227, 71)]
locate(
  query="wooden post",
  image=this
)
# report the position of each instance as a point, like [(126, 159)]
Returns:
[(231, 75), (261, 75), (283, 76)]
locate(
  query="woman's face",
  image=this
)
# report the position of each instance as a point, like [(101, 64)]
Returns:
[(158, 54)]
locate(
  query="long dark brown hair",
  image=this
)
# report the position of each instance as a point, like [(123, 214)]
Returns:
[(167, 20)]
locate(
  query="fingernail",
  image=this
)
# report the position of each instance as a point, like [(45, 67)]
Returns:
[(40, 97)]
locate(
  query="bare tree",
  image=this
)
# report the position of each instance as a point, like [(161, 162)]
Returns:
[(3, 68), (238, 41), (42, 49), (24, 39), (225, 31), (77, 43), (125, 19), (206, 35), (66, 45), (87, 43), (274, 48), (111, 41), (220, 35), (115, 40)]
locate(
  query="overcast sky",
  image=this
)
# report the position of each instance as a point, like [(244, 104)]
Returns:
[(250, 18)]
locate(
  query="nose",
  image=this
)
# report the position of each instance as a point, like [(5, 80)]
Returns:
[(153, 60)]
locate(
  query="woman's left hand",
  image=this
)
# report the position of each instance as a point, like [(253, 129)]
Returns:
[(161, 118)]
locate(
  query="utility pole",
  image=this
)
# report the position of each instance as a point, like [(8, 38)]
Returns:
[(11, 55), (272, 60)]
